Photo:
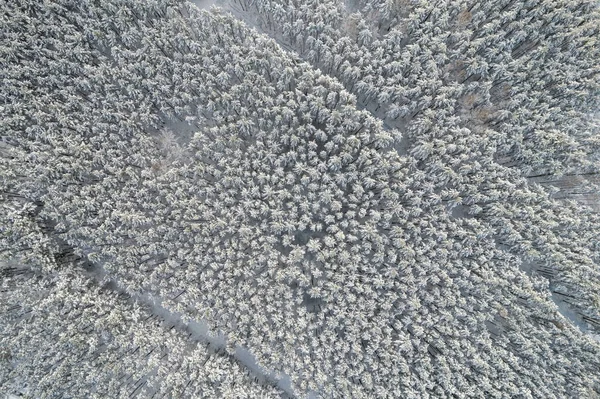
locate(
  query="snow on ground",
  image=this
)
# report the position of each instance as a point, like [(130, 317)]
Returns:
[(199, 330), (204, 4)]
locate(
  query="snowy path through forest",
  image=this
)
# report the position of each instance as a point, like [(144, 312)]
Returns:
[(403, 146), (299, 199), (197, 330)]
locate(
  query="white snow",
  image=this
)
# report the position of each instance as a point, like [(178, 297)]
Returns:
[(204, 4)]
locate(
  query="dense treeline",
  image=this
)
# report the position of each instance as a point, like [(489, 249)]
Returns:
[(153, 151), (72, 338), (497, 102)]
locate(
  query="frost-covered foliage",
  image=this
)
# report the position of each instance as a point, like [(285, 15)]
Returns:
[(70, 337), (497, 101), (385, 209)]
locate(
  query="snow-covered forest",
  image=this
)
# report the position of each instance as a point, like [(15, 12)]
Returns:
[(300, 199)]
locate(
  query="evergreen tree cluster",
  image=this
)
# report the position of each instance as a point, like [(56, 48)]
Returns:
[(374, 198)]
